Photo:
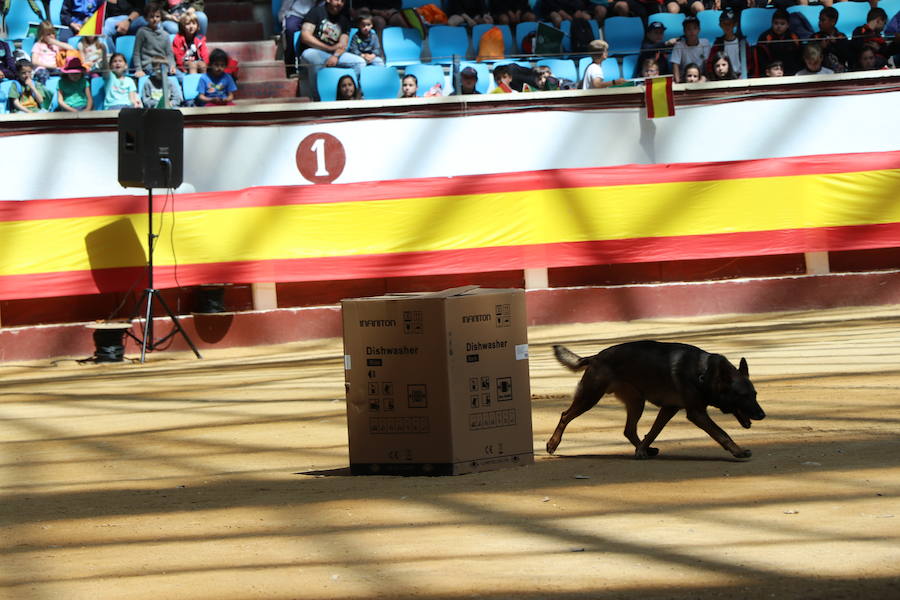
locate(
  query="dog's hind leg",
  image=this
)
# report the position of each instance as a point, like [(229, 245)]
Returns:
[(589, 391), (664, 415)]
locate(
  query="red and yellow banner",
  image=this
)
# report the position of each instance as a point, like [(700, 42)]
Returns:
[(535, 219), (659, 97), (94, 23)]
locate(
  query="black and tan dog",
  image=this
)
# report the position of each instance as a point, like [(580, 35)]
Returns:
[(671, 376)]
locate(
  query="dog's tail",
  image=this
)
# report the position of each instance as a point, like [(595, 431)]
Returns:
[(570, 359)]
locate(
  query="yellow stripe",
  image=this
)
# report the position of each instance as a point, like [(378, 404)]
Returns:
[(445, 223), (660, 100)]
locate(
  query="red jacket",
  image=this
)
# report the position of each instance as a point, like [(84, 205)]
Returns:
[(181, 48)]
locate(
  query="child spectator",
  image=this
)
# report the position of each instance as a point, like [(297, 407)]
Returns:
[(833, 43), (152, 91), (347, 89), (778, 43), (174, 10), (502, 80), (812, 58), (152, 46), (365, 41), (468, 13), (47, 51), (870, 35), (593, 75), (729, 42), (693, 74), (216, 86), (649, 68), (74, 93), (654, 47), (691, 49), (7, 62), (468, 79), (866, 59), (121, 91), (93, 51), (721, 69), (189, 46), (409, 86), (775, 69), (513, 12), (29, 95)]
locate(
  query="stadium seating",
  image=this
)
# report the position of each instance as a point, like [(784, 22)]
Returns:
[(402, 46), (326, 81), (428, 76), (562, 68), (630, 66), (52, 86), (417, 3), (125, 46), (18, 18), (624, 35), (754, 21), (4, 95), (508, 44), (189, 86), (55, 8), (811, 12), (98, 91), (709, 24), (891, 7), (379, 83), (444, 42), (672, 21), (483, 85), (851, 16)]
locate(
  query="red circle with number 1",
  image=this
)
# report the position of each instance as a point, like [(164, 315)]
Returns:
[(321, 158)]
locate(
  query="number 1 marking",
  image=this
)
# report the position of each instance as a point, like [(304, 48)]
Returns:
[(319, 148)]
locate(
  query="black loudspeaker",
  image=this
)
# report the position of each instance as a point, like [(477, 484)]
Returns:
[(151, 145)]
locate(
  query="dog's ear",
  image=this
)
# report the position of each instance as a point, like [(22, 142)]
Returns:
[(716, 374), (742, 368)]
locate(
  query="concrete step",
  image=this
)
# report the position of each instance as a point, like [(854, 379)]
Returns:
[(234, 31), (276, 88), (220, 12), (265, 70), (254, 51)]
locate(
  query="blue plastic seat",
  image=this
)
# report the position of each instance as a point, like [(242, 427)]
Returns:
[(754, 21), (851, 15), (52, 86), (125, 46), (674, 23), (891, 7), (483, 85), (4, 95), (98, 91), (445, 41), (709, 24), (624, 35), (417, 3), (18, 18), (561, 67), (811, 12), (610, 67), (629, 66), (509, 46), (401, 45), (189, 86), (522, 31), (379, 83), (55, 8), (428, 76), (327, 79)]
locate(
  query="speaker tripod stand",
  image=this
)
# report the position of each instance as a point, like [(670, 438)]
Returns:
[(151, 295)]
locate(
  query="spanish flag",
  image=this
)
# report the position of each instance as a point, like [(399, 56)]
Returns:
[(94, 24), (659, 97)]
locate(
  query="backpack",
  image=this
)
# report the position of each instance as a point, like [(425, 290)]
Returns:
[(799, 25), (582, 35)]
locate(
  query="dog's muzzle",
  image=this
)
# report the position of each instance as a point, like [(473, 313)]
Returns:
[(745, 420)]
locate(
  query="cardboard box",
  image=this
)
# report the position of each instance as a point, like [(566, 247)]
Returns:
[(437, 383)]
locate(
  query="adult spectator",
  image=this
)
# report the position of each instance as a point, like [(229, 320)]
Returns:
[(73, 14), (324, 39), (123, 17), (291, 16)]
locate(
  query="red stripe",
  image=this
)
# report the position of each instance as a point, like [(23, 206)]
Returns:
[(459, 261), (454, 186), (670, 97), (648, 98)]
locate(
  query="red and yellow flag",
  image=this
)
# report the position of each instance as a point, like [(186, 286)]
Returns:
[(659, 97), (94, 23)]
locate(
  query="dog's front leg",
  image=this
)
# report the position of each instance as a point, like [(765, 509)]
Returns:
[(701, 419), (662, 418)]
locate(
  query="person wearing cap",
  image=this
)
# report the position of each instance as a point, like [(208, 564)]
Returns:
[(656, 48), (729, 42), (691, 49), (74, 92), (468, 79)]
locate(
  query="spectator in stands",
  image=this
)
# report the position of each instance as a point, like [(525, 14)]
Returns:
[(365, 41), (654, 47), (691, 49), (385, 13), (189, 46), (593, 75), (93, 51), (775, 69), (409, 86), (48, 52), (557, 11), (152, 46), (216, 86), (468, 13), (812, 59), (175, 9), (693, 73), (347, 89), (502, 80), (866, 59), (324, 38), (291, 16), (729, 42), (870, 35), (721, 68), (649, 68), (778, 43), (73, 14), (833, 43), (468, 79), (152, 91), (123, 17), (121, 91), (645, 8), (74, 92), (7, 62), (513, 12), (29, 95)]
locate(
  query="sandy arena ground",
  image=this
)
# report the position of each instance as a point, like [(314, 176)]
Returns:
[(226, 478)]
